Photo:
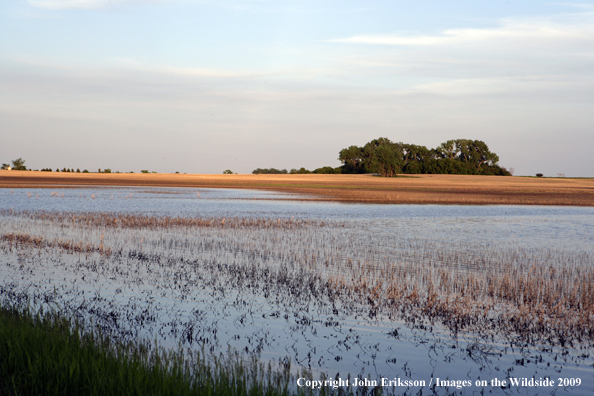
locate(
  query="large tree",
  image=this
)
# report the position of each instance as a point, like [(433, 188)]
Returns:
[(479, 155), (448, 149), (382, 156), (415, 158), (19, 164), (351, 156)]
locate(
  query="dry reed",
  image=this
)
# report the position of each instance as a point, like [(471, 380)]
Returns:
[(527, 302)]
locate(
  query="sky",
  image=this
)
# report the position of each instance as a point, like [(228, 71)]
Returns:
[(201, 86)]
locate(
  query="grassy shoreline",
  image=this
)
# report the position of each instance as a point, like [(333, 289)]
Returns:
[(43, 354)]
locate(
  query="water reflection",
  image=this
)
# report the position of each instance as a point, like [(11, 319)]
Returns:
[(287, 287)]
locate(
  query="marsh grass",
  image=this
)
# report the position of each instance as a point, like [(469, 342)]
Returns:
[(45, 354), (136, 221), (545, 296), (517, 296), (41, 242)]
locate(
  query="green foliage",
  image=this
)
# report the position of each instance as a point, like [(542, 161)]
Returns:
[(447, 150), (539, 175), (461, 156), (301, 171), (225, 172), (85, 171), (352, 156), (19, 164), (269, 171), (45, 354), (327, 170), (382, 156), (144, 171)]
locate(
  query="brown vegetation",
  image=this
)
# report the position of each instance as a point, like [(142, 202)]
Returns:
[(134, 221), (533, 300), (20, 239), (530, 303), (547, 305), (417, 189)]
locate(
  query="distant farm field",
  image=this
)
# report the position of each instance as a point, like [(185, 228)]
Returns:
[(410, 189)]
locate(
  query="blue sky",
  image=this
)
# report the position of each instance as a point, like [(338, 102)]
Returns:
[(204, 86)]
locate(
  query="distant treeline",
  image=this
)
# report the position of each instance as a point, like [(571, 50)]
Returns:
[(384, 157), (19, 164), (460, 156), (64, 170), (302, 171)]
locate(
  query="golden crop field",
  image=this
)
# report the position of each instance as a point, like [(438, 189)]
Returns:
[(409, 189)]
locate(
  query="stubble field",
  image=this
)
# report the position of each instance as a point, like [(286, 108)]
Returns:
[(410, 189)]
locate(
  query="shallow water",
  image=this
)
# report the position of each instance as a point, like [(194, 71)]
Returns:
[(553, 226), (190, 285)]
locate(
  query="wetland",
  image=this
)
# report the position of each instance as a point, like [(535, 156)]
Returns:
[(430, 297)]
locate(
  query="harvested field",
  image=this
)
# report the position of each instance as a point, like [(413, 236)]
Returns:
[(413, 189)]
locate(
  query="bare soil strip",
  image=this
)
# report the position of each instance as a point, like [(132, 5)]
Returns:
[(413, 189)]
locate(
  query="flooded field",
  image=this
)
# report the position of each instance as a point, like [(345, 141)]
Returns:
[(436, 299)]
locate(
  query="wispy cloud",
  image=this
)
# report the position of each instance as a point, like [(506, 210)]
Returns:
[(122, 65), (237, 5), (66, 4), (516, 55), (82, 4), (574, 27)]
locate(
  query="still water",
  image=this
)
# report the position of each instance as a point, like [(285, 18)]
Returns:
[(261, 289), (552, 226)]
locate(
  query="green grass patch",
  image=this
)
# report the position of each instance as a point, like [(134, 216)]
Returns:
[(45, 354)]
